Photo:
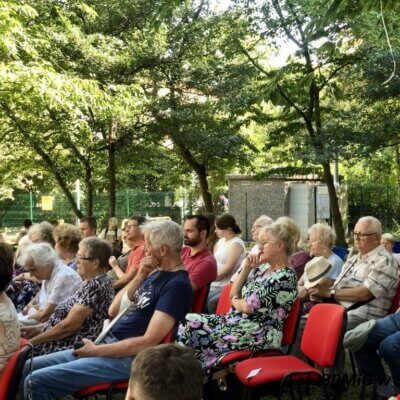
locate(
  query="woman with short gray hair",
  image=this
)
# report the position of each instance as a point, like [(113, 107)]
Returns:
[(58, 282)]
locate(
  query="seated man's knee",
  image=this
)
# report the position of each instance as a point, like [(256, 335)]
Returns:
[(390, 347)]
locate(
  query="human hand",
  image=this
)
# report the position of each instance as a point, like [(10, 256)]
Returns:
[(29, 332), (113, 262), (87, 350), (319, 292), (303, 292), (252, 261), (147, 266), (19, 278)]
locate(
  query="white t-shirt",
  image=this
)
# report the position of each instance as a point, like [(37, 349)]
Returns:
[(221, 256)]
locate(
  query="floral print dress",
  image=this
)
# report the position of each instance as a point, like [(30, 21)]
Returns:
[(97, 294), (271, 296)]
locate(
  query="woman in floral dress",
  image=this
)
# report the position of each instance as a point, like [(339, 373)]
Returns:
[(262, 296)]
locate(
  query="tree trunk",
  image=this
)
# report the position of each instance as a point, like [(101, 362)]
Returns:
[(111, 179), (46, 158), (334, 203), (89, 191), (205, 192)]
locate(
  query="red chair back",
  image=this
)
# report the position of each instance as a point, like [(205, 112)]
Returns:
[(396, 300), (13, 369), (323, 333), (169, 338), (224, 301), (199, 299), (291, 324)]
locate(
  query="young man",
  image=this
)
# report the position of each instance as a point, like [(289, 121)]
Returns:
[(153, 302), (198, 260), (87, 226), (151, 380), (135, 235)]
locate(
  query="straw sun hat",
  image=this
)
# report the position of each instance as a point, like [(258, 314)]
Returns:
[(315, 270)]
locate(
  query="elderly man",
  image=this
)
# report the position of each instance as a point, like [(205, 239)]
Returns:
[(368, 280), (199, 261), (58, 282), (144, 312)]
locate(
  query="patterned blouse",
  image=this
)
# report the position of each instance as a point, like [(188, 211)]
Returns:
[(269, 294), (96, 294)]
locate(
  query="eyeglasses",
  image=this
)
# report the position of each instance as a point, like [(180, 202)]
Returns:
[(362, 236), (264, 242), (130, 226), (80, 258)]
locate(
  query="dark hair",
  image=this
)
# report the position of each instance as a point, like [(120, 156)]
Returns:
[(6, 265), (226, 221), (140, 220), (201, 222), (27, 223), (98, 249), (182, 379), (211, 218), (91, 221)]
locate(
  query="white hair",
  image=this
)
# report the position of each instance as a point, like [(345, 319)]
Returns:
[(373, 223), (263, 220), (167, 233), (388, 237), (326, 235), (42, 254)]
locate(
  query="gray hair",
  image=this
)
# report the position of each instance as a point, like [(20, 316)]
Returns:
[(167, 233), (42, 254), (326, 235), (284, 233), (263, 220), (98, 249), (373, 223), (388, 237), (43, 231)]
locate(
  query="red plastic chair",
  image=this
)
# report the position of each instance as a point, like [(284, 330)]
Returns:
[(200, 299), (108, 389), (289, 335), (322, 336), (12, 372), (396, 301), (224, 301)]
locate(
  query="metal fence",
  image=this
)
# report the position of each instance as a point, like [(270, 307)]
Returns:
[(40, 207), (380, 201)]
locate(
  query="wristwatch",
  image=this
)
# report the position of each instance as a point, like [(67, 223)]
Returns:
[(333, 292)]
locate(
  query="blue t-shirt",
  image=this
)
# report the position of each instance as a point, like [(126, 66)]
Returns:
[(169, 292)]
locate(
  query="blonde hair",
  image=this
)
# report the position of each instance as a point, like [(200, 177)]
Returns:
[(388, 237), (284, 233), (291, 226)]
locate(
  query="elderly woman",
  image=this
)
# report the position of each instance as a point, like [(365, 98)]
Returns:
[(299, 258), (81, 315), (229, 252), (321, 238), (58, 282), (9, 326), (388, 242), (67, 238), (260, 222), (25, 286), (262, 296)]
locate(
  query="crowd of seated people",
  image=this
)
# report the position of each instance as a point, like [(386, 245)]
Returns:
[(115, 308)]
